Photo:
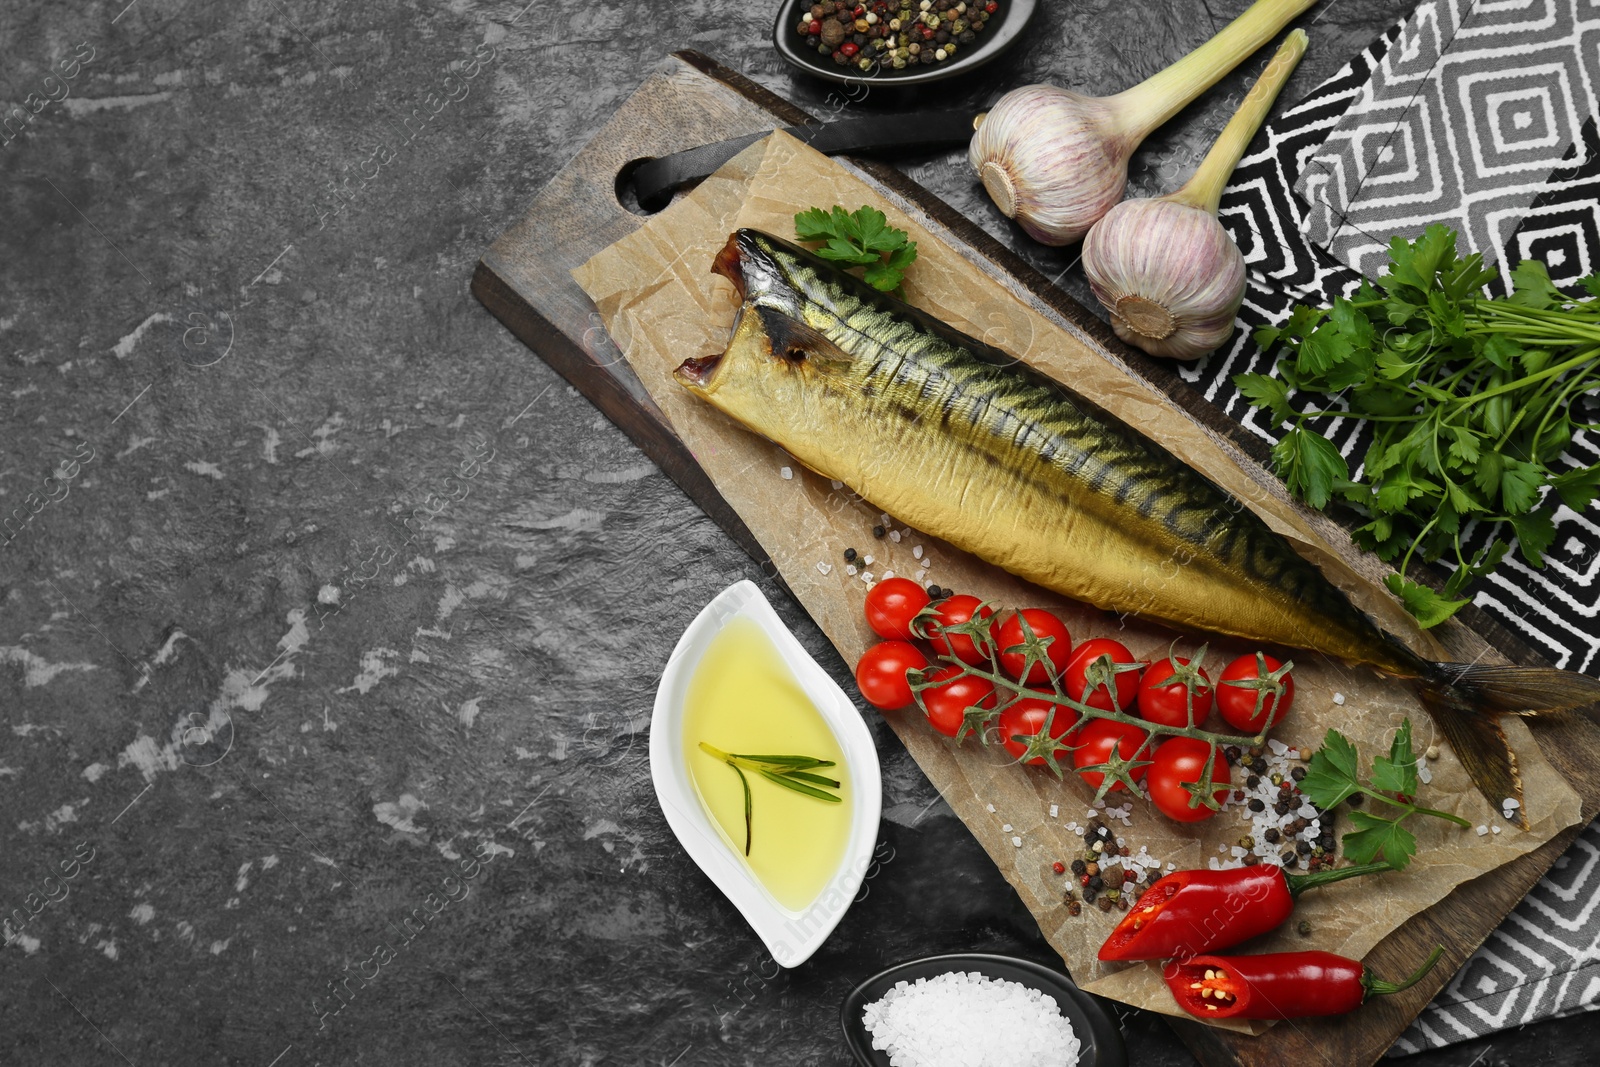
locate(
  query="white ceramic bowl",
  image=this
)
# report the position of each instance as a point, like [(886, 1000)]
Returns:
[(790, 936)]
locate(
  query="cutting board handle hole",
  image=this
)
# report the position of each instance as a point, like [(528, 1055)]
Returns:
[(627, 195)]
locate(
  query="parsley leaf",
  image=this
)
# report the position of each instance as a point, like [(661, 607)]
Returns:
[(1467, 401), (1334, 776), (859, 238)]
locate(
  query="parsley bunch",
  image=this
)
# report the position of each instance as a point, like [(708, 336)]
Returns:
[(862, 236), (1334, 776), (1469, 400)]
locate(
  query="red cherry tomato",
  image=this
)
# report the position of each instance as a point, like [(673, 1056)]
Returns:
[(1045, 627), (1026, 718), (1098, 740), (1084, 657), (1179, 760), (1243, 682), (1164, 699), (949, 698), (881, 673), (892, 604), (953, 611)]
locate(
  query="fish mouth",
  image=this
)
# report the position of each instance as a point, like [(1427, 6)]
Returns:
[(696, 372), (730, 263)]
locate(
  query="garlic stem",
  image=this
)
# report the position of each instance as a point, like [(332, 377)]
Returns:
[(1156, 99), (1204, 189)]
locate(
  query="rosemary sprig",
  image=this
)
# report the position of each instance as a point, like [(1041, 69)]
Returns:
[(791, 772)]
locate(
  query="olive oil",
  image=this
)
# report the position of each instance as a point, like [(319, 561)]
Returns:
[(742, 698)]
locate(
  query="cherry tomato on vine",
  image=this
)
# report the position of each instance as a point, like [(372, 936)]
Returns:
[(1164, 693), (954, 611), (1243, 682), (1179, 760), (948, 699), (892, 604), (1097, 740), (1026, 718), (881, 673), (1084, 657), (1046, 627)]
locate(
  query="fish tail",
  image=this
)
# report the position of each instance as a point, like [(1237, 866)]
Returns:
[(1467, 700)]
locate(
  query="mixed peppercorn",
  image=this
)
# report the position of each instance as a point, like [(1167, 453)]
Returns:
[(890, 35)]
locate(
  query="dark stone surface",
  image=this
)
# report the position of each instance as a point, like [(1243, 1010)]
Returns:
[(346, 587)]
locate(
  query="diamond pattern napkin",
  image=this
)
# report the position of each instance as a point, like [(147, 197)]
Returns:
[(1480, 115)]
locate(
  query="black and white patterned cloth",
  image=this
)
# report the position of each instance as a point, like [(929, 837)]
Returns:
[(1480, 114)]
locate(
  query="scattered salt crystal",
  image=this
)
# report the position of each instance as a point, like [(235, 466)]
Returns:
[(917, 552), (1338, 698), (866, 560), (1090, 814), (1238, 852), (867, 576), (1078, 830), (1222, 848), (991, 807), (1483, 831), (894, 535), (1120, 842), (884, 519), (824, 568), (1496, 829), (785, 473), (1214, 865), (887, 575), (1278, 747), (1424, 773), (851, 570), (1053, 810), (1307, 811), (1017, 841), (1511, 802), (837, 484), (1006, 829), (921, 574), (1100, 804)]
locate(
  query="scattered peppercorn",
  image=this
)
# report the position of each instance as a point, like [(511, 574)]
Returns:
[(1256, 803), (1091, 869), (1096, 883), (1297, 773), (1302, 847), (1112, 878), (1272, 835), (1355, 800), (1088, 896), (1252, 781), (1124, 851), (1231, 753), (1058, 867), (879, 531), (1290, 860), (1104, 903), (1304, 928), (849, 555), (1074, 908), (1251, 859), (1079, 867)]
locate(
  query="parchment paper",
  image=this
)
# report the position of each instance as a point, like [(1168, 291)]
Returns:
[(661, 304)]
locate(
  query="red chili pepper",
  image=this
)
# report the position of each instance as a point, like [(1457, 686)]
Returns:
[(1189, 912), (1278, 985)]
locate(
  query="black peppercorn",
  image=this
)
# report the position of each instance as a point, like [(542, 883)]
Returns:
[(1097, 883), (1088, 896), (1256, 804), (1104, 904), (878, 531), (1290, 860), (1297, 773), (849, 555), (1252, 781), (1079, 868), (1074, 908), (1303, 847), (1355, 800), (1272, 835)]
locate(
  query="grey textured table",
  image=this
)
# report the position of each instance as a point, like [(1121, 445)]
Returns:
[(332, 617)]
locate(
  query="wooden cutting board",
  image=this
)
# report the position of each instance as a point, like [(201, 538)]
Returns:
[(688, 100)]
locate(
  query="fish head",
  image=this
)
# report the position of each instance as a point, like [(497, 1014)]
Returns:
[(774, 372)]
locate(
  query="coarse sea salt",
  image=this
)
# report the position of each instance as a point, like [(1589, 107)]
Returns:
[(1483, 831), (1054, 811), (824, 568), (964, 1019), (1338, 698), (894, 535), (785, 473)]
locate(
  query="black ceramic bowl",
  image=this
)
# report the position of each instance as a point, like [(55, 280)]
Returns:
[(1002, 32), (1102, 1040)]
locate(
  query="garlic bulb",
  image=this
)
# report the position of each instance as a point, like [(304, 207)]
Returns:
[(1056, 161), (1165, 268)]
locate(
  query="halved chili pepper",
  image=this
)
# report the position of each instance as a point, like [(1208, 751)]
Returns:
[(1188, 912), (1278, 985)]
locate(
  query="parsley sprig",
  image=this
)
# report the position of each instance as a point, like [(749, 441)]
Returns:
[(1334, 776), (863, 237), (1470, 402)]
